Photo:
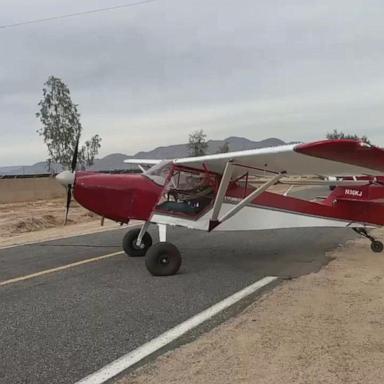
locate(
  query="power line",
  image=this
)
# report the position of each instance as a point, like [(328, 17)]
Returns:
[(92, 11)]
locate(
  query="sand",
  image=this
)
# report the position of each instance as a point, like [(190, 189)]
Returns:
[(16, 218), (28, 222)]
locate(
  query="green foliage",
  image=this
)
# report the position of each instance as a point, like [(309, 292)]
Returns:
[(61, 126), (197, 143), (336, 135), (224, 148), (88, 151)]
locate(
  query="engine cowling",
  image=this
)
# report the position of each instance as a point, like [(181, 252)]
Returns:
[(117, 197)]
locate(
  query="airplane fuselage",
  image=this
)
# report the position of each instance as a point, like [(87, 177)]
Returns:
[(134, 196)]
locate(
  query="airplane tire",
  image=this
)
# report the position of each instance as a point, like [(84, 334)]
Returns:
[(377, 246), (129, 243), (163, 259)]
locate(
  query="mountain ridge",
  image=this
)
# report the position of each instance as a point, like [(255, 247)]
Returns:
[(115, 161)]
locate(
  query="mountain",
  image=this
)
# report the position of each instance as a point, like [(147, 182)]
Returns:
[(115, 161)]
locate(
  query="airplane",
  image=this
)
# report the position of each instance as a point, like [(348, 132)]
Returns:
[(218, 193)]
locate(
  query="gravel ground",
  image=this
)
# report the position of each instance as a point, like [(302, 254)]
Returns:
[(24, 217), (325, 327)]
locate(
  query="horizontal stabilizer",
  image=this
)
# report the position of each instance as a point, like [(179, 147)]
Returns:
[(366, 201), (336, 183), (142, 161)]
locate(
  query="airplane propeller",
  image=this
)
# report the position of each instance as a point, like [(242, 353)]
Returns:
[(67, 178)]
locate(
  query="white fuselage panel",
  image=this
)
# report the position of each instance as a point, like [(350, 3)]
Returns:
[(254, 218)]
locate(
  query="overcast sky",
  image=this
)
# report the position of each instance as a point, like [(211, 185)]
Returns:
[(148, 75)]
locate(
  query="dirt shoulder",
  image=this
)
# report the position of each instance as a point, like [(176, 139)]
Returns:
[(23, 217), (326, 327), (42, 220)]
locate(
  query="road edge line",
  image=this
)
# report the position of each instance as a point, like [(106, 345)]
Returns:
[(126, 361)]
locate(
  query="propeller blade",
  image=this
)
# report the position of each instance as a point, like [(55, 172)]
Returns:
[(69, 198), (75, 155), (67, 178)]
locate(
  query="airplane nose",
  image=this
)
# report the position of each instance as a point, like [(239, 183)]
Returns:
[(66, 178)]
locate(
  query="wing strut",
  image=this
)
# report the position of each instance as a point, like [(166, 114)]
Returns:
[(214, 223), (225, 180)]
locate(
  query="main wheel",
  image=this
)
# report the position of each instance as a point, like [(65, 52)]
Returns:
[(129, 243), (377, 246), (163, 259)]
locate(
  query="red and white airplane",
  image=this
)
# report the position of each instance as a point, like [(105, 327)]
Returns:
[(217, 193)]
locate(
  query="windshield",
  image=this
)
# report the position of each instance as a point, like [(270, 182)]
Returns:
[(159, 172)]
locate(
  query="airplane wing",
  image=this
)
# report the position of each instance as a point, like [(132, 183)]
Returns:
[(327, 157)]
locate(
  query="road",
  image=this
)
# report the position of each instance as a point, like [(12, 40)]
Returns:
[(61, 326)]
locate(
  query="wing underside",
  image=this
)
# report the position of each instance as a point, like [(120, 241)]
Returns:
[(328, 157)]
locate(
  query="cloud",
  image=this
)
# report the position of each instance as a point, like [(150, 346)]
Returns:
[(148, 75)]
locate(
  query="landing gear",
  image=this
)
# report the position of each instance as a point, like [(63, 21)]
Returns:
[(161, 259), (376, 245), (131, 245)]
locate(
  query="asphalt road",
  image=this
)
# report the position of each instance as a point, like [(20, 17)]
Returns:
[(60, 327)]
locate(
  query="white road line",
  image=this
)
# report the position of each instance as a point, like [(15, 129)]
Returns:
[(113, 369)]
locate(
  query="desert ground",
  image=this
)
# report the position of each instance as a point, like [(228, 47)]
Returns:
[(23, 217), (40, 220)]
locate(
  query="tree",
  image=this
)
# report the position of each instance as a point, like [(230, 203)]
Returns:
[(197, 143), (336, 135), (61, 128), (88, 151), (224, 148)]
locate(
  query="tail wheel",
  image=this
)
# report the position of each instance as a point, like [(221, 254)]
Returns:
[(163, 259), (131, 248), (377, 246)]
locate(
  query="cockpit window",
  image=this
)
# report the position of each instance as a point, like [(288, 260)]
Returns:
[(160, 172), (187, 193)]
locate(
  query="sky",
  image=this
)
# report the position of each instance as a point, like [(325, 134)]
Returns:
[(149, 75)]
